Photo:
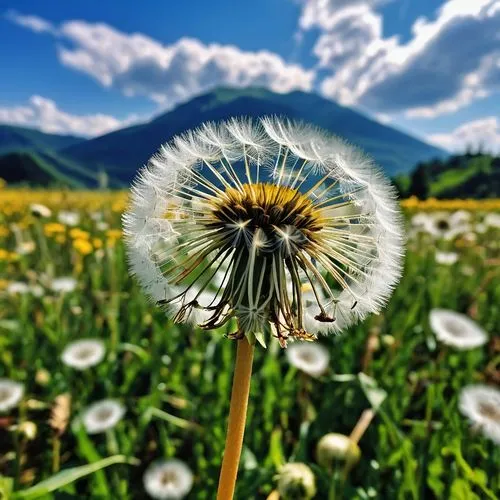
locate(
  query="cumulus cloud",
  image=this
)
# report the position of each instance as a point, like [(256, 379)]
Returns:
[(448, 63), (483, 134), (139, 65), (44, 114)]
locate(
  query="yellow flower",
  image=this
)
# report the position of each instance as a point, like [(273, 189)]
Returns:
[(114, 234), (97, 243), (61, 239), (4, 232), (78, 234), (53, 228), (4, 255), (83, 246)]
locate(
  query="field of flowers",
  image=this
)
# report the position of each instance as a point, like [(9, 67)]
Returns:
[(141, 408)]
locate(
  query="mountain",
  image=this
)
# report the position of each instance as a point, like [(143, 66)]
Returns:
[(471, 175), (13, 139), (122, 152)]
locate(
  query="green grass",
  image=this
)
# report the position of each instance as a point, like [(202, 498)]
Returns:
[(175, 383)]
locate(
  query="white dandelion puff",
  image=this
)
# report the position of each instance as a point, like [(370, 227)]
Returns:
[(102, 416), (18, 288), (234, 218), (456, 330), (481, 405), (168, 480), (39, 210), (446, 258), (68, 218), (334, 447), (311, 358), (65, 284), (492, 219), (442, 225), (83, 354), (10, 394)]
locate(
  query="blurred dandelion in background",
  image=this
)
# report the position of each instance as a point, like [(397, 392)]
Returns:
[(64, 284), (296, 480), (311, 358), (68, 218), (481, 405), (39, 210), (456, 329), (168, 480), (333, 448), (11, 394), (446, 258), (84, 353), (102, 416)]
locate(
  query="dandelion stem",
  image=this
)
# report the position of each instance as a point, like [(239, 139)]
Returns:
[(237, 418)]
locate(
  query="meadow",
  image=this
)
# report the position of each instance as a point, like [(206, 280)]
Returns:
[(64, 277)]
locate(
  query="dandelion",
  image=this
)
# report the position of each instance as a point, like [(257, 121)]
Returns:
[(102, 416), (168, 480), (296, 480), (39, 210), (83, 354), (25, 247), (481, 405), (65, 284), (442, 225), (83, 246), (446, 258), (68, 218), (279, 206), (10, 394), (311, 358), (492, 220), (333, 447), (18, 288), (456, 330)]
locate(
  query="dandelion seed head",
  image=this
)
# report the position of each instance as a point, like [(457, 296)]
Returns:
[(296, 480), (247, 212), (492, 219), (481, 405), (446, 258), (310, 357), (39, 210), (102, 416), (84, 353), (64, 284), (18, 288), (334, 447), (10, 394), (456, 330), (68, 218), (168, 480)]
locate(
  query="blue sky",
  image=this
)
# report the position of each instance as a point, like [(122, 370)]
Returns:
[(430, 67)]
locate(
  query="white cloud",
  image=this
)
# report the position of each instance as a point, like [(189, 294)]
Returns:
[(139, 65), (34, 23), (44, 114), (483, 133), (448, 63)]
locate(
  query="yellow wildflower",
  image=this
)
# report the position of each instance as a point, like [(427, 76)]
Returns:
[(82, 246), (78, 234), (97, 243), (53, 228)]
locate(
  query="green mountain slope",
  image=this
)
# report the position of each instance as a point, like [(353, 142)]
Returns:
[(26, 139), (122, 152), (460, 176)]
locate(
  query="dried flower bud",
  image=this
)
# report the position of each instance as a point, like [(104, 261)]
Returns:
[(334, 447), (296, 481)]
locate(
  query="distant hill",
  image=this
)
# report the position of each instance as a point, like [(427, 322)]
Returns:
[(15, 139), (122, 152), (460, 176)]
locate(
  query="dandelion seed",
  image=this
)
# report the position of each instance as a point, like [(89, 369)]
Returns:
[(296, 480), (168, 480), (68, 218), (83, 354), (456, 330), (10, 394), (39, 210), (65, 284), (102, 416), (446, 258), (274, 205), (311, 358), (481, 405)]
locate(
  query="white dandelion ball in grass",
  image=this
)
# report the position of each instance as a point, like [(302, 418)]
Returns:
[(442, 225), (309, 357), (456, 330), (481, 405), (102, 416), (168, 480), (296, 480), (275, 205), (68, 218), (39, 210), (18, 288), (492, 219), (84, 353), (10, 394), (446, 258), (335, 447), (65, 284)]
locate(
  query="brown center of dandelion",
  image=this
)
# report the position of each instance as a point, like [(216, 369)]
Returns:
[(490, 411)]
